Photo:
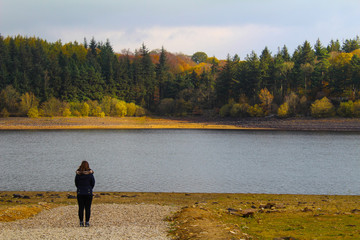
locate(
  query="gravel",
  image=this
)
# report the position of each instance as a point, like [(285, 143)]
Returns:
[(108, 221)]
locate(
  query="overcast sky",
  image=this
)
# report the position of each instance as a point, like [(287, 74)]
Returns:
[(217, 27)]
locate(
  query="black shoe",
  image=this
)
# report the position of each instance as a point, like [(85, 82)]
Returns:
[(87, 224), (81, 224)]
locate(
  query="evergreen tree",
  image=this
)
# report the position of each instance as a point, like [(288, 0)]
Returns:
[(334, 46), (223, 83), (285, 54), (350, 45), (162, 72), (250, 75), (320, 51), (266, 69), (4, 61)]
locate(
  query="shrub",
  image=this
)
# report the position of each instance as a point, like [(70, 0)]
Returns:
[(293, 101), (97, 112), (27, 101), (94, 108), (76, 113), (357, 108), (235, 110), (106, 105), (66, 112), (255, 111), (131, 109), (304, 105), (84, 109), (33, 112), (9, 99), (113, 110), (346, 109), (75, 108), (284, 110), (225, 110), (139, 111), (4, 113), (52, 107), (166, 106), (322, 108), (101, 114), (266, 99), (120, 109), (239, 110), (182, 107)]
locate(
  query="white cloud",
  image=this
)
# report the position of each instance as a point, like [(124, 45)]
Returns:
[(217, 40), (214, 40)]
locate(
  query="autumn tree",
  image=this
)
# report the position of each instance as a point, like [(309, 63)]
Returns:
[(199, 57), (266, 99), (322, 108), (9, 99), (27, 101)]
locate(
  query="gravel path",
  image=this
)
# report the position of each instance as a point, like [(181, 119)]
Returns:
[(108, 221)]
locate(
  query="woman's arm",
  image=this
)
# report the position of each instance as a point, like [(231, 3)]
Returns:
[(92, 182)]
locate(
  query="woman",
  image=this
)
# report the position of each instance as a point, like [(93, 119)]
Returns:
[(84, 182)]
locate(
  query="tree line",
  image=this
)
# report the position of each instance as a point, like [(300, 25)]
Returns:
[(174, 84)]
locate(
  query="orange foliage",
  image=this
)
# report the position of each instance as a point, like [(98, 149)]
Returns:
[(155, 58), (177, 62)]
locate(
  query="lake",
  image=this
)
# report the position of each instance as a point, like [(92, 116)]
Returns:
[(214, 161)]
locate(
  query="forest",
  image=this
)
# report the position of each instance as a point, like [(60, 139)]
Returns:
[(40, 78)]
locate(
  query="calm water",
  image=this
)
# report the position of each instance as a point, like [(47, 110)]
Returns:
[(183, 161)]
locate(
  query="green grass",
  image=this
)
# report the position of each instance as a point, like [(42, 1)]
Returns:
[(297, 216)]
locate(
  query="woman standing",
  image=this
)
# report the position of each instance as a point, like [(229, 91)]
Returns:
[(84, 182)]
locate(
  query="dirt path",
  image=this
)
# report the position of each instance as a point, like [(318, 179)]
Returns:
[(108, 221)]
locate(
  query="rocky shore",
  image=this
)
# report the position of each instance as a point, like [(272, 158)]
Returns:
[(108, 221)]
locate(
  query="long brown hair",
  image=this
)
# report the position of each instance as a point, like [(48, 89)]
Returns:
[(84, 166)]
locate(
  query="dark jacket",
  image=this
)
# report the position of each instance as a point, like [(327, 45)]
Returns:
[(84, 182)]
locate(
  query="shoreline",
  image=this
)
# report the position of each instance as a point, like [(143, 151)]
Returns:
[(196, 216), (195, 123)]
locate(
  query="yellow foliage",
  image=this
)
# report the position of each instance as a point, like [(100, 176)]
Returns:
[(201, 67), (283, 110), (356, 52), (85, 109), (120, 109), (69, 49), (131, 109), (255, 111), (266, 99), (357, 108), (66, 112), (33, 112), (340, 59), (322, 108)]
